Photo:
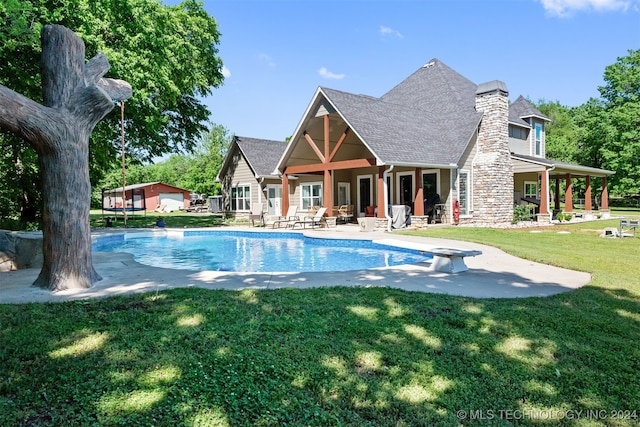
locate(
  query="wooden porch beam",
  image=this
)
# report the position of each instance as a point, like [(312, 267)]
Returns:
[(285, 193), (352, 164), (382, 207), (339, 144), (327, 194), (544, 193), (587, 194), (314, 146), (321, 167), (418, 201), (568, 194), (327, 141), (604, 203)]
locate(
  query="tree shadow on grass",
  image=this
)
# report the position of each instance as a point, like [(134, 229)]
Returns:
[(332, 356)]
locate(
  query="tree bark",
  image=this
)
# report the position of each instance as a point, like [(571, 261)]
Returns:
[(76, 97)]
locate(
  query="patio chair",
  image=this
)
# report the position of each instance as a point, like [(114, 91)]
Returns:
[(345, 213), (312, 221), (256, 214), (627, 225), (291, 216)]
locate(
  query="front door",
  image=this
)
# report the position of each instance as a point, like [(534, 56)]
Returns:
[(365, 193), (274, 200), (406, 190)]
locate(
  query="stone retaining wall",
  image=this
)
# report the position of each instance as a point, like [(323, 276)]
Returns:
[(19, 249)]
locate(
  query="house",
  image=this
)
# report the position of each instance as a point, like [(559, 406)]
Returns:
[(248, 175), (435, 133), (146, 196)]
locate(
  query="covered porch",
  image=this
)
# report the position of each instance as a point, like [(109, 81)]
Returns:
[(329, 165), (538, 181)]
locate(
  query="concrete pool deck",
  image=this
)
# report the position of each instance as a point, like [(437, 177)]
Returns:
[(494, 274)]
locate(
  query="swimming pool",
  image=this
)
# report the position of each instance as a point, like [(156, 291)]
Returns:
[(255, 251)]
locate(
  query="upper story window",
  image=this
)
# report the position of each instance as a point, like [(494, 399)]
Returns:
[(538, 139), (517, 132)]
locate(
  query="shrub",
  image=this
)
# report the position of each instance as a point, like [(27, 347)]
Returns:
[(521, 213)]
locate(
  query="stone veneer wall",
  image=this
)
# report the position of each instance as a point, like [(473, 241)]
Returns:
[(492, 167)]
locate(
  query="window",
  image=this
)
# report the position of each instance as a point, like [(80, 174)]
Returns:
[(538, 139), (530, 190), (311, 195), (344, 193), (241, 198), (517, 132), (464, 192)]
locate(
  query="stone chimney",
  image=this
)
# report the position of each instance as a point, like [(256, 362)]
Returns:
[(492, 167)]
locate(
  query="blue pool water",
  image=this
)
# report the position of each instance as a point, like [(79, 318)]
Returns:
[(255, 251)]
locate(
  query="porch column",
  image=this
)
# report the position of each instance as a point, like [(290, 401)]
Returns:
[(544, 192), (587, 195), (418, 202), (382, 208), (556, 196), (285, 193), (327, 194), (604, 203), (568, 195)]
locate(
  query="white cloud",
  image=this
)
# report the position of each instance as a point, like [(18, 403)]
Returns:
[(267, 60), (226, 72), (386, 31), (564, 8), (329, 75)]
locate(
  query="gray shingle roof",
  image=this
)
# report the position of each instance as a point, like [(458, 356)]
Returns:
[(403, 134), (521, 108), (261, 154), (563, 167), (434, 87), (427, 119)]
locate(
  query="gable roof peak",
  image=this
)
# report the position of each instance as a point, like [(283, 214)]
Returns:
[(434, 87), (522, 108), (430, 63), (262, 155)]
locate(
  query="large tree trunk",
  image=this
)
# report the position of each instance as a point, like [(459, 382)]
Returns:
[(67, 261), (76, 98)]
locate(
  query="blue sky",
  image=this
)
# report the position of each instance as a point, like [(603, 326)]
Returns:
[(276, 53)]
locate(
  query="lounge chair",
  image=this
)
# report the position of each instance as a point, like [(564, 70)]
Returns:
[(256, 214), (313, 221), (290, 217)]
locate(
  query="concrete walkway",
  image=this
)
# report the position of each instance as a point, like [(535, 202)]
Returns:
[(494, 274)]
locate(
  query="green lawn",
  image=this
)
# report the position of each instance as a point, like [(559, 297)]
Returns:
[(148, 219), (340, 356)]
